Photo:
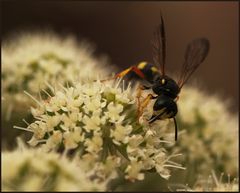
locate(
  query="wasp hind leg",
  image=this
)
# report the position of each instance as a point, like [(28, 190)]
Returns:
[(125, 72)]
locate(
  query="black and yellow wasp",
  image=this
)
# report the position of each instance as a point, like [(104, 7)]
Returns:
[(165, 89)]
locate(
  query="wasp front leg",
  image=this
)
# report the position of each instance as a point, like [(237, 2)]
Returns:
[(139, 95), (144, 104)]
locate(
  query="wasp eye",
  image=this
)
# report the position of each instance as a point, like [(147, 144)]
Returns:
[(163, 81)]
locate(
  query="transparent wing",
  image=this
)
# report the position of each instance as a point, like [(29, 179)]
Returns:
[(159, 46), (195, 54)]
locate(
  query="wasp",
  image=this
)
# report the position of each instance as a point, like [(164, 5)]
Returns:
[(165, 90)]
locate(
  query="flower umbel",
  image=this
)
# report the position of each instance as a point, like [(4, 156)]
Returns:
[(209, 136), (36, 170), (31, 59), (215, 184), (99, 121)]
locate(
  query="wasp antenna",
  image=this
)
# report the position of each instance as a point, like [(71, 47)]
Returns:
[(176, 128), (160, 13)]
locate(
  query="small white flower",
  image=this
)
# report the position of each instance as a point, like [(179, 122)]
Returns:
[(67, 122), (77, 102), (52, 121), (39, 128), (165, 173), (93, 122), (134, 171), (33, 141), (37, 112), (135, 140), (54, 140), (92, 90), (95, 144), (114, 111), (60, 99), (107, 168), (71, 139), (121, 134), (92, 104), (151, 139)]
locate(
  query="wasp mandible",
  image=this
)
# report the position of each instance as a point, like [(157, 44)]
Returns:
[(165, 89)]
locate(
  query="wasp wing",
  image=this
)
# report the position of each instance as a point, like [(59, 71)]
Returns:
[(159, 46), (195, 54)]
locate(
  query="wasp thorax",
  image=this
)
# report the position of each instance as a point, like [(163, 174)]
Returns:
[(166, 86)]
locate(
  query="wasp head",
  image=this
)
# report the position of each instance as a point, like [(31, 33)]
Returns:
[(164, 85)]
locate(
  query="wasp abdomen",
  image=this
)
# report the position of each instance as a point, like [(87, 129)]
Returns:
[(149, 70), (165, 107)]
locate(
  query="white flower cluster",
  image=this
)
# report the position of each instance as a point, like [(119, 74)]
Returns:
[(209, 184), (99, 121), (210, 138), (36, 170), (217, 185), (29, 60)]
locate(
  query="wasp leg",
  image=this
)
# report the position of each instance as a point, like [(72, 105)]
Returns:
[(145, 103), (176, 128), (155, 117), (132, 68), (176, 99), (125, 72), (139, 94)]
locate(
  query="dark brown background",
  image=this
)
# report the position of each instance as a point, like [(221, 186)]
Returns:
[(123, 30)]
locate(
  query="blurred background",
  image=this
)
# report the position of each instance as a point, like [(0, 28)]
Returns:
[(123, 31)]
